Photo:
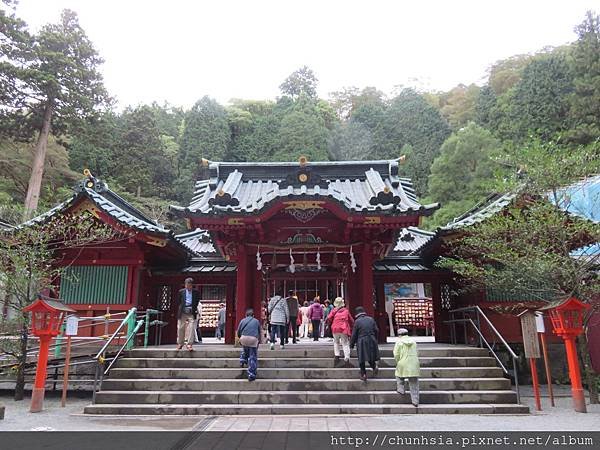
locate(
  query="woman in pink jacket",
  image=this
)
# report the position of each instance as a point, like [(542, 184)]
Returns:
[(341, 322)]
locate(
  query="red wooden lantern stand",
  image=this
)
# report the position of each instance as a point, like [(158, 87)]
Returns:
[(567, 321), (47, 317)]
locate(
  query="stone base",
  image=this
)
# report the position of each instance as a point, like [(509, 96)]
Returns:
[(37, 399)]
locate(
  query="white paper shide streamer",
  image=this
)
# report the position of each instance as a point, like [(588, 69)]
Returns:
[(258, 260), (318, 259), (292, 265), (352, 260)]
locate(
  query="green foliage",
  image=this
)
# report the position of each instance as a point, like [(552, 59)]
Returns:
[(585, 101), (206, 133), (351, 140), (302, 131), (411, 120), (528, 247), (528, 250), (15, 165), (460, 175), (301, 81), (141, 147), (504, 74), (540, 104), (56, 68), (458, 106), (31, 261)]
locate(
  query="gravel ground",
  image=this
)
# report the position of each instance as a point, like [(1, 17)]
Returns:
[(70, 418)]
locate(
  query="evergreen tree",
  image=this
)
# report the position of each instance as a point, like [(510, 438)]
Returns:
[(50, 81), (585, 101), (460, 175)]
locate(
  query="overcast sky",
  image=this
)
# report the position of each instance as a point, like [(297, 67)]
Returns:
[(178, 51)]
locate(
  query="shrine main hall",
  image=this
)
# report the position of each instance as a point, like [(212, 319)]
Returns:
[(327, 229)]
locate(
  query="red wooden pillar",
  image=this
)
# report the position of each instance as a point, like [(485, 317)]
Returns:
[(381, 315), (230, 325), (366, 280), (442, 333), (243, 289)]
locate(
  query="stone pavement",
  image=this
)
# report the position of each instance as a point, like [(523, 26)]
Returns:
[(560, 418)]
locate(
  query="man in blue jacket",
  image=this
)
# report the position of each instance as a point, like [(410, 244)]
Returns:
[(249, 334)]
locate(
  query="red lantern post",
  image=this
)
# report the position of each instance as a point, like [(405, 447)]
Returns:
[(47, 317), (567, 321)]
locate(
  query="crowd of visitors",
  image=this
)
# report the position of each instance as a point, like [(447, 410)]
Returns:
[(285, 318)]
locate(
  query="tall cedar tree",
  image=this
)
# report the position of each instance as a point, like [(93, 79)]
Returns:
[(50, 82)]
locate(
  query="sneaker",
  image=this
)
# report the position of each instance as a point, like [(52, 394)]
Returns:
[(242, 364), (415, 404), (281, 347), (401, 390), (363, 377), (251, 378), (336, 359), (272, 346), (375, 370)]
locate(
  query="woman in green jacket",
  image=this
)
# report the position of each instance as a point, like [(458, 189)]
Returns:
[(407, 366)]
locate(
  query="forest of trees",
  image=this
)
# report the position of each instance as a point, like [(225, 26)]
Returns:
[(54, 105)]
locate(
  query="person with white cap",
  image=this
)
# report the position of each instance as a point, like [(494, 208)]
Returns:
[(341, 322), (407, 366)]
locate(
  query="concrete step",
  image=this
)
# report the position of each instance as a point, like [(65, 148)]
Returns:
[(253, 410), (376, 384), (287, 373), (303, 397), (291, 351), (266, 361)]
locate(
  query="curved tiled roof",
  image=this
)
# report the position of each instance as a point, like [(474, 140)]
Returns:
[(358, 186), (411, 240), (479, 213), (197, 241), (114, 205)]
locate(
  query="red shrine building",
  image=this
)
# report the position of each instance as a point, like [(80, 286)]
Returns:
[(323, 229)]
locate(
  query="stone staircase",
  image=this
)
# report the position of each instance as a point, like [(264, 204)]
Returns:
[(302, 379)]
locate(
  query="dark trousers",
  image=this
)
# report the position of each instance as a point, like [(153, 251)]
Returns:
[(249, 357), (363, 367), (316, 329), (294, 329), (278, 329)]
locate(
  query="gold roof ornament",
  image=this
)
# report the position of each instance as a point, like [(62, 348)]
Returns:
[(204, 162), (303, 160), (402, 159), (87, 173)]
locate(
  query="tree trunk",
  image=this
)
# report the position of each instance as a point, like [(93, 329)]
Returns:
[(589, 375), (39, 159), (20, 384)]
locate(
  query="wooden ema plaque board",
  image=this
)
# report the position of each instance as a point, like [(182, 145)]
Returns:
[(210, 313), (530, 336), (413, 313)]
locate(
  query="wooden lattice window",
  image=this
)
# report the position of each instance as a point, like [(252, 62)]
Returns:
[(165, 296), (447, 297), (213, 292)]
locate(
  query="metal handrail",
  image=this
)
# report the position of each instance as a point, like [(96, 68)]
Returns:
[(114, 358), (482, 339), (496, 332), (132, 311), (100, 357)]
